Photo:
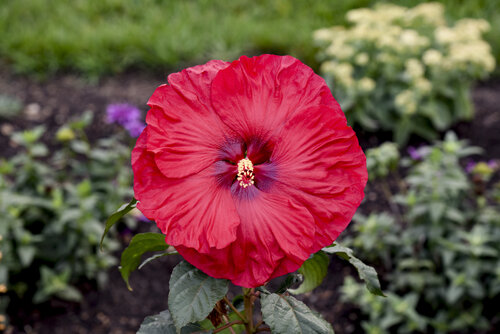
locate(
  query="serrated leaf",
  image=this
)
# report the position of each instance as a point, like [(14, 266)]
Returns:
[(115, 217), (163, 324), (193, 294), (314, 271), (140, 244), (285, 314), (365, 272)]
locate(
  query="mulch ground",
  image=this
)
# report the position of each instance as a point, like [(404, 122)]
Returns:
[(116, 310)]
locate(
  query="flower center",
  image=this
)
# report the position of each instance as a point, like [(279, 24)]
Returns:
[(245, 175)]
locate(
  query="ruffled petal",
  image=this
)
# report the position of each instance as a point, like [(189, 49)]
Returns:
[(273, 239), (196, 211), (255, 96), (185, 134), (319, 163)]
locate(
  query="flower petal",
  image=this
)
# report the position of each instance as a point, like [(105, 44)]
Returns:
[(274, 238), (255, 96), (318, 162), (185, 134), (196, 211)]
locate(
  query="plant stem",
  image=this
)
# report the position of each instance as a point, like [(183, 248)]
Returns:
[(248, 302), (242, 317), (229, 324)]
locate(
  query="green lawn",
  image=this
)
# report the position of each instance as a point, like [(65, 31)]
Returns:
[(97, 37)]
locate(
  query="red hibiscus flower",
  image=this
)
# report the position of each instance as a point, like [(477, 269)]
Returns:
[(248, 167)]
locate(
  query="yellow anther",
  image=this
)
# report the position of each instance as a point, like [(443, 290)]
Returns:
[(245, 173), (3, 288)]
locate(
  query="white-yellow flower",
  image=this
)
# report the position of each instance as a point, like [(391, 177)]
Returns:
[(406, 102), (414, 68), (423, 86), (366, 85), (431, 12), (362, 59), (432, 57)]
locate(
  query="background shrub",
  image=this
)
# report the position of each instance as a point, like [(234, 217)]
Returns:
[(96, 37), (440, 256), (52, 208), (405, 70)]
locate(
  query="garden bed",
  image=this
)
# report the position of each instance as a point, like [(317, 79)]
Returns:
[(115, 309)]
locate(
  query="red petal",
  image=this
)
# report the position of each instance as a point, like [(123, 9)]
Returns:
[(274, 238), (255, 96), (185, 134), (195, 211), (320, 164)]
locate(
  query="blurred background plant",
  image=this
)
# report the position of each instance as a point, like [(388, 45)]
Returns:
[(53, 202), (441, 258), (97, 37), (404, 69)]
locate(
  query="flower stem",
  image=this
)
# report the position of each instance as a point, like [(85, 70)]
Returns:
[(248, 302), (228, 325), (238, 313)]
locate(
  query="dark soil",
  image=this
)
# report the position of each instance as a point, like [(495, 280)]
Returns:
[(115, 309)]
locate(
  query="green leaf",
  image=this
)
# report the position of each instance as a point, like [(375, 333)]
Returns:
[(162, 324), (288, 282), (193, 294), (115, 217), (314, 271), (154, 257), (285, 314), (140, 244), (365, 272)]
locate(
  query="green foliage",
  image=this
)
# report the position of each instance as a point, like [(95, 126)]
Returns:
[(193, 294), (107, 36), (9, 106), (314, 271), (440, 255), (382, 160), (140, 244), (99, 37), (285, 314), (365, 272), (115, 217), (405, 70), (52, 205), (163, 324)]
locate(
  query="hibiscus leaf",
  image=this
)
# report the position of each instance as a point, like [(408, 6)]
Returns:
[(162, 324), (193, 294), (140, 244), (156, 256), (314, 271), (115, 217), (285, 314), (365, 272), (288, 282)]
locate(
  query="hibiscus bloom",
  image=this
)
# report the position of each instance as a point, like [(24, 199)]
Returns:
[(248, 167)]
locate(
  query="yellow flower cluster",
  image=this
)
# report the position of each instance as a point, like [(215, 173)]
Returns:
[(411, 45)]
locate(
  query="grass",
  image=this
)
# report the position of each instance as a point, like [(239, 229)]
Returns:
[(97, 37)]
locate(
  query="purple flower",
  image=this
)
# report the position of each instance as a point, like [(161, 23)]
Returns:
[(470, 166), (493, 164), (414, 154), (126, 115), (134, 128), (122, 113), (142, 218)]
